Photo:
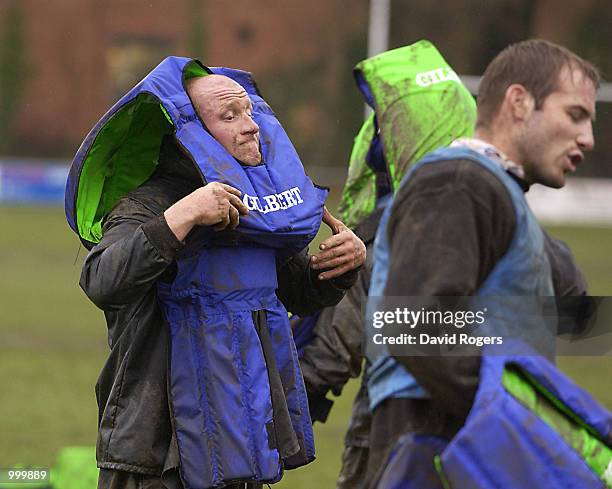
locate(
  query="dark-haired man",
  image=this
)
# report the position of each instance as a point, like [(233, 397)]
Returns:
[(460, 225)]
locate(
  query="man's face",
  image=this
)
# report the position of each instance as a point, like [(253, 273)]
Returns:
[(226, 110), (556, 136)]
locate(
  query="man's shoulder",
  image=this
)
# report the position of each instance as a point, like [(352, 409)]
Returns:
[(130, 206), (141, 204), (460, 187), (154, 196), (453, 173)]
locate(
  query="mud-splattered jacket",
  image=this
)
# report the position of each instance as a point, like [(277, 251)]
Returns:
[(235, 391), (137, 251)]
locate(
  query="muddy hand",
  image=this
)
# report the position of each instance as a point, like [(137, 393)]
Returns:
[(340, 253)]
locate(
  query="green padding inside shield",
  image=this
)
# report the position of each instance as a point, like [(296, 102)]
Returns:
[(577, 434), (122, 157), (440, 472), (193, 69)]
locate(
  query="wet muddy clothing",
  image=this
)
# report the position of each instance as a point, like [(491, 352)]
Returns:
[(449, 226), (478, 206), (138, 250)]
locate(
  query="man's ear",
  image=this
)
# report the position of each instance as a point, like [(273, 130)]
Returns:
[(519, 101)]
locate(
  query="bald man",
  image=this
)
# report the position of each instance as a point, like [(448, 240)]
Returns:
[(143, 236), (226, 111)]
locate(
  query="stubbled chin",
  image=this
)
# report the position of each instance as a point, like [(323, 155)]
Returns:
[(558, 181), (250, 158)]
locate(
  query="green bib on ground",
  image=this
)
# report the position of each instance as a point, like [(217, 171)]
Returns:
[(420, 105), (75, 468)]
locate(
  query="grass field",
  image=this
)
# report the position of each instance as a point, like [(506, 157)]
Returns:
[(53, 344)]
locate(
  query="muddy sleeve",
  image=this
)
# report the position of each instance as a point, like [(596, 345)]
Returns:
[(448, 228), (574, 306), (136, 248), (301, 291), (335, 353)]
